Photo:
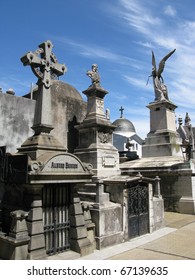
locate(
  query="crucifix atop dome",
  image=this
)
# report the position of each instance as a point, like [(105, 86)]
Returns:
[(121, 110)]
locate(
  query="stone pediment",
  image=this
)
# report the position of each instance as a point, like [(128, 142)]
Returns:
[(58, 167), (58, 163)]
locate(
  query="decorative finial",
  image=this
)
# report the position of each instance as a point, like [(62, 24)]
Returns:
[(187, 119), (10, 91), (107, 114)]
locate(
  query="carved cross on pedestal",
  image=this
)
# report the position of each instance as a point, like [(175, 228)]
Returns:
[(121, 110), (45, 66)]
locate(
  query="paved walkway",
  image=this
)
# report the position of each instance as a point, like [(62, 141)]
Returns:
[(178, 244), (176, 241)]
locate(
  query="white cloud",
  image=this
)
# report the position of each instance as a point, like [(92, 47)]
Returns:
[(137, 82), (95, 51), (152, 27), (170, 11), (138, 17), (145, 44)]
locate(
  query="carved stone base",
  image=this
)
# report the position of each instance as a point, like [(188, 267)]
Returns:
[(163, 139), (40, 144), (79, 241), (108, 220)]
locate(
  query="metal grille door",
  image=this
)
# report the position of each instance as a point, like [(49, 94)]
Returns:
[(138, 201), (56, 217)]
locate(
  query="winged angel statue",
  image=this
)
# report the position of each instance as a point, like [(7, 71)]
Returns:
[(160, 88)]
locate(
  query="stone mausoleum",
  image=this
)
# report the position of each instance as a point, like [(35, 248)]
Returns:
[(62, 187), (168, 152)]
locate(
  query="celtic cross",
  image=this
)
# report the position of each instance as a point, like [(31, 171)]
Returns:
[(46, 68)]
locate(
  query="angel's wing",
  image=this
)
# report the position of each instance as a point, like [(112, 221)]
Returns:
[(162, 63), (153, 62)]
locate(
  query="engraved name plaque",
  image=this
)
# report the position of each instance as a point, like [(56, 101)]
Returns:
[(63, 163)]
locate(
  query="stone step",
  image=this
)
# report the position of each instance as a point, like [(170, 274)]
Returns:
[(67, 255)]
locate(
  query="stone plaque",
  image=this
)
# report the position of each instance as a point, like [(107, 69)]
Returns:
[(100, 106), (63, 163), (108, 161)]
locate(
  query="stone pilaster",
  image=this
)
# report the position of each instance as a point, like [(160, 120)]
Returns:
[(79, 241), (89, 224), (36, 249)]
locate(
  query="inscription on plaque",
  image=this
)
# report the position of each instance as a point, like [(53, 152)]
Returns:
[(109, 161), (63, 163)]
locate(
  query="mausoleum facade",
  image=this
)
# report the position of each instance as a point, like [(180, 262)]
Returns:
[(61, 185)]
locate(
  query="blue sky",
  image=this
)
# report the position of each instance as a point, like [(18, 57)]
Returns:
[(118, 35)]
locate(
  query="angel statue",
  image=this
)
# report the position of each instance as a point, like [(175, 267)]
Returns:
[(160, 88), (94, 75)]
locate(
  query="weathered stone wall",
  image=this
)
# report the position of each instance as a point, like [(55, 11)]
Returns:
[(17, 114), (68, 109), (16, 118)]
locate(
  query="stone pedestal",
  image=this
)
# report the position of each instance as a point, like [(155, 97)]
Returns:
[(37, 145), (15, 245), (95, 102), (95, 136), (96, 147), (163, 139)]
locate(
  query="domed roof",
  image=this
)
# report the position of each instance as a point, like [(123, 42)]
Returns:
[(123, 125), (60, 89), (65, 89)]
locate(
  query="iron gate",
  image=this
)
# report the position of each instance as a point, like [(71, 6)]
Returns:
[(138, 202), (56, 200)]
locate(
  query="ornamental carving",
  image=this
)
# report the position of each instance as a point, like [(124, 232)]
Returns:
[(104, 137)]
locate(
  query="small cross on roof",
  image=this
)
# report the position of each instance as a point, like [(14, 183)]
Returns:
[(121, 110)]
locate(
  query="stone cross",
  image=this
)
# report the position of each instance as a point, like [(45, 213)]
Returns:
[(121, 110), (45, 66)]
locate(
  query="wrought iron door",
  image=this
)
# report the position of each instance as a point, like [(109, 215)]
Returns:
[(138, 201), (56, 198)]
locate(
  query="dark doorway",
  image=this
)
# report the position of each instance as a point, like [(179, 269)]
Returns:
[(56, 201), (138, 202), (72, 135)]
